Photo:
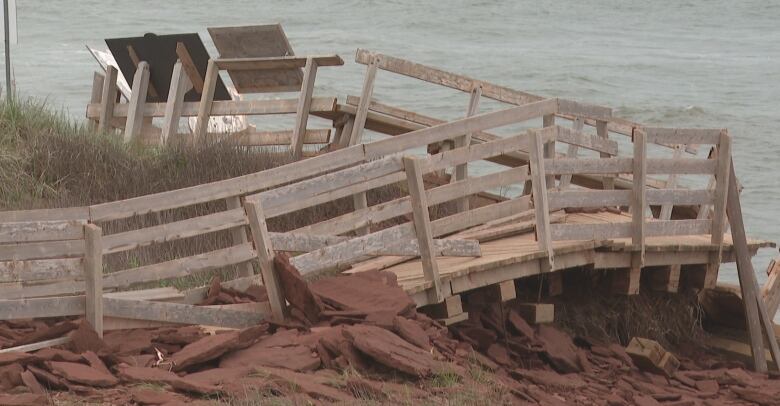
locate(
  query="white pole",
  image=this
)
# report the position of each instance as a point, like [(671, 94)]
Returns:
[(7, 29)]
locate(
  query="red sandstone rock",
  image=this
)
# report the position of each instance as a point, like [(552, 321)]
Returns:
[(708, 386), (156, 375), (129, 342), (296, 358), (412, 332), (306, 383), (56, 354), (55, 331), (32, 383), (559, 349), (83, 374), (84, 338), (218, 376), (296, 290), (48, 379), (23, 399), (205, 349), (95, 362), (16, 358), (366, 292), (153, 397), (391, 350), (10, 376)]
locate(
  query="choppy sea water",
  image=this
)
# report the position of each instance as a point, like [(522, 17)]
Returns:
[(691, 63)]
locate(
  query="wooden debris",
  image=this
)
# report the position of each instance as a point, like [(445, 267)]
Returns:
[(650, 356), (536, 313)]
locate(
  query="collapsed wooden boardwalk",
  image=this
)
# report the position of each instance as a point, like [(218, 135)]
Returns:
[(606, 203)]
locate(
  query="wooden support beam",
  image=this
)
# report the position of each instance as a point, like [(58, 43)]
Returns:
[(571, 152), (180, 313), (719, 208), (137, 62), (671, 183), (37, 346), (180, 85), (97, 90), (499, 292), (304, 105), (189, 67), (107, 100), (747, 278), (602, 131), (238, 235), (770, 293), (93, 276), (206, 100), (548, 120), (265, 254), (451, 306), (365, 100), (536, 313), (135, 114), (665, 278), (541, 205), (638, 207), (422, 224), (554, 283), (462, 170)]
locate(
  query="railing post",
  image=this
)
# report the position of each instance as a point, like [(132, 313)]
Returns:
[(107, 100), (539, 194), (365, 101), (671, 183), (180, 85), (97, 90), (571, 152), (462, 170), (206, 100), (422, 225), (602, 130), (722, 180), (304, 105), (135, 112), (238, 235), (638, 207), (265, 255), (93, 276), (549, 148)]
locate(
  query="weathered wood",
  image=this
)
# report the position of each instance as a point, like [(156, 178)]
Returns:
[(226, 108), (40, 269), (254, 138), (576, 138), (578, 109), (206, 101), (719, 207), (186, 62), (536, 313), (422, 224), (588, 198), (541, 205), (451, 306), (365, 99), (770, 292), (265, 255), (181, 267), (276, 63), (548, 148), (360, 203), (599, 231), (676, 136), (93, 277), (41, 250), (671, 182), (31, 231), (666, 278), (304, 105), (97, 90), (180, 85), (179, 313), (571, 152), (602, 131), (107, 100), (37, 346), (238, 234), (173, 231), (63, 214), (462, 170), (676, 197), (639, 196), (42, 307), (747, 281), (569, 166), (296, 242), (681, 166), (137, 101)]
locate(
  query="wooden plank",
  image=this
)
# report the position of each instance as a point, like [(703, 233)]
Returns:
[(588, 198), (747, 281), (137, 100), (422, 225), (719, 207), (62, 214), (206, 101), (548, 148), (97, 90), (541, 205), (277, 63), (365, 99), (570, 166), (265, 254), (40, 269), (179, 313), (93, 277), (296, 242), (462, 170), (238, 235), (584, 110), (666, 278), (173, 231), (682, 166), (105, 111), (602, 131), (37, 346), (31, 231), (677, 227), (450, 306), (536, 313), (283, 137), (42, 307), (226, 108), (672, 197), (186, 62), (181, 267), (666, 209), (304, 104), (770, 292), (41, 250), (571, 151), (675, 136), (597, 231), (180, 85), (575, 137), (638, 208)]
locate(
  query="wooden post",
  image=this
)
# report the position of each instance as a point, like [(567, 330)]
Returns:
[(722, 172), (571, 152), (135, 112), (365, 101), (304, 104), (422, 224), (265, 255), (549, 148), (747, 279), (541, 205), (346, 133), (107, 100), (206, 100), (97, 90), (462, 170), (180, 85), (628, 281), (603, 131), (189, 67), (671, 183), (93, 276), (238, 235), (704, 209)]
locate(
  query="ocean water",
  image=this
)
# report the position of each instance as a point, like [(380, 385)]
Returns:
[(683, 63)]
